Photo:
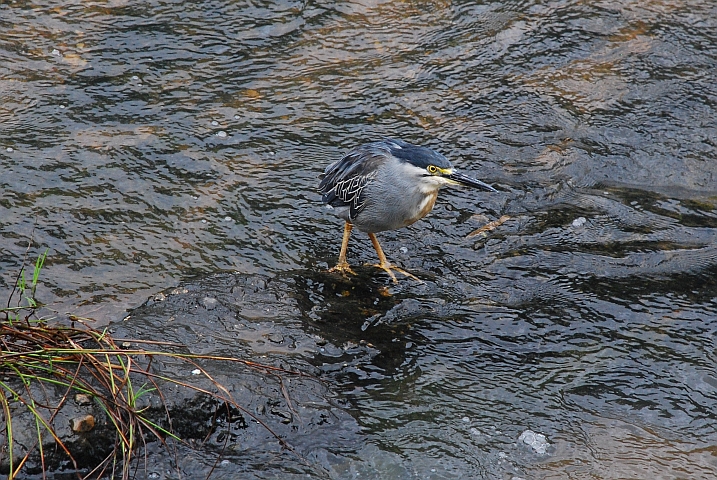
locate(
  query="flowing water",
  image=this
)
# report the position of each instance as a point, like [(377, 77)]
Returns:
[(145, 143)]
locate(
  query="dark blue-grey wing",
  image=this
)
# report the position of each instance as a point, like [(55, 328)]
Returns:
[(343, 182)]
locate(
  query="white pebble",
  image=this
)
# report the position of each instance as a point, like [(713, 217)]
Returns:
[(579, 222), (135, 77), (227, 219), (215, 123), (196, 371), (9, 149), (236, 117), (221, 134), (465, 419), (536, 441), (403, 250), (56, 52), (210, 303), (204, 221)]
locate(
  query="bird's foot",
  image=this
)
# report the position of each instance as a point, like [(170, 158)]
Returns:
[(343, 268), (387, 267)]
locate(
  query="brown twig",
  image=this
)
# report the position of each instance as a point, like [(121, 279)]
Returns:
[(489, 226)]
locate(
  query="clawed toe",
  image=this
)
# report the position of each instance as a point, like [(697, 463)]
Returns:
[(342, 268), (388, 268)]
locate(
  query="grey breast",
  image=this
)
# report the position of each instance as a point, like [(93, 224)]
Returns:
[(391, 200)]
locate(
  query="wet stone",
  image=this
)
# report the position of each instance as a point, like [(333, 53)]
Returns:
[(537, 441), (83, 399), (256, 318), (82, 424), (275, 338), (209, 303), (285, 416), (279, 408), (579, 222)]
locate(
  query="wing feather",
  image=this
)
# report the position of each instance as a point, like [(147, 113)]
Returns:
[(343, 183)]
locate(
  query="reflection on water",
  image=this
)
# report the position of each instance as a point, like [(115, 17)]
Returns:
[(144, 144)]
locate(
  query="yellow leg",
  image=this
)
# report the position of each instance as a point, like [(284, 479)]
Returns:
[(343, 266), (384, 263)]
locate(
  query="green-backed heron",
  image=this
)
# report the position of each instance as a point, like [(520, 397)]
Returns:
[(386, 185)]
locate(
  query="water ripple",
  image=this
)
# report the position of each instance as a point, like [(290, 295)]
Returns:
[(147, 143)]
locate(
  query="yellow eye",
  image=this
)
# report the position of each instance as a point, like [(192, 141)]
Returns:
[(432, 169)]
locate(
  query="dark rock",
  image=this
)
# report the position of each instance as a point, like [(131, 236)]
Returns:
[(269, 418)]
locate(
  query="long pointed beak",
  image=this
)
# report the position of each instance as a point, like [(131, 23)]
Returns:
[(469, 182)]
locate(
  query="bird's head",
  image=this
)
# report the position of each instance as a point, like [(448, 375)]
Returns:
[(430, 169)]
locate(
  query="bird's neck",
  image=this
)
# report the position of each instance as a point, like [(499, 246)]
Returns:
[(425, 207)]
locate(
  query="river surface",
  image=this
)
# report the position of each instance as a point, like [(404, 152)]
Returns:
[(146, 143)]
